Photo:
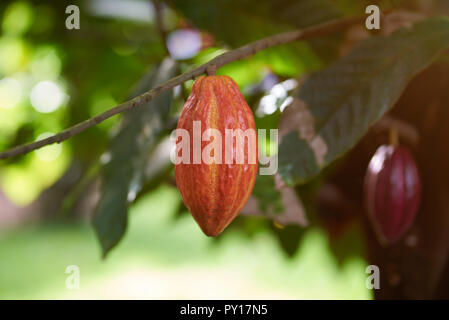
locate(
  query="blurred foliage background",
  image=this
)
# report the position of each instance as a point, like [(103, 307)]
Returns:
[(52, 78)]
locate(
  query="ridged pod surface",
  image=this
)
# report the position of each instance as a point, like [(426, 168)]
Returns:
[(392, 192), (215, 193)]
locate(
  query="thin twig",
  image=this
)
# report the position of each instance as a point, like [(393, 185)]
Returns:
[(404, 130), (158, 12), (225, 58)]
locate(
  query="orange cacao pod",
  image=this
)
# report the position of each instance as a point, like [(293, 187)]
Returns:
[(215, 191), (392, 192)]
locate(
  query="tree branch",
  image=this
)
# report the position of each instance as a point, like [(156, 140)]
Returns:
[(225, 58)]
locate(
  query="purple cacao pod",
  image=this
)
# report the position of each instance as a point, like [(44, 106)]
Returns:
[(392, 192)]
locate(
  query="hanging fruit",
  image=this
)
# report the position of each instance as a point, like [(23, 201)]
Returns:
[(216, 179), (392, 192)]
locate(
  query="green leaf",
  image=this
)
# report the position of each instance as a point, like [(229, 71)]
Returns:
[(123, 172), (272, 199), (289, 238), (289, 161), (238, 22), (268, 197), (345, 99)]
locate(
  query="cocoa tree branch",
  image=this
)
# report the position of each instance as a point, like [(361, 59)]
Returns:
[(217, 62)]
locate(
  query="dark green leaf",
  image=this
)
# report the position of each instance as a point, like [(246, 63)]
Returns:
[(289, 238), (268, 197), (238, 22), (345, 99), (126, 158), (272, 199), (288, 160)]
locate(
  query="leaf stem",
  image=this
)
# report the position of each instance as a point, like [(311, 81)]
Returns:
[(211, 70), (394, 136)]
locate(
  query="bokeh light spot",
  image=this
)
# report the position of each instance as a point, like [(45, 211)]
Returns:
[(268, 104), (46, 63), (184, 44), (10, 93), (17, 18), (13, 54), (47, 96)]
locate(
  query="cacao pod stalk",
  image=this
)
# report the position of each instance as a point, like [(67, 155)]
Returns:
[(215, 193), (392, 192)]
